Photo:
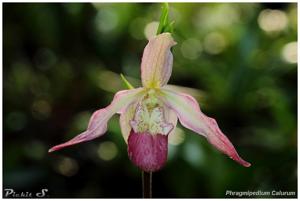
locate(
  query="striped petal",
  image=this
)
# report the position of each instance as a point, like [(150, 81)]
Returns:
[(157, 61), (98, 123), (191, 117)]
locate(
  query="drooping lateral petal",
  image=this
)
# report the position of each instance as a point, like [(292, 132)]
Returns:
[(191, 117), (98, 122), (157, 61)]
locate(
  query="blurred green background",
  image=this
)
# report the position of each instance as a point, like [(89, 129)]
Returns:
[(62, 61)]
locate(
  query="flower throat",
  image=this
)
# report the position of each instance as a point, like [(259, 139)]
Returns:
[(149, 116)]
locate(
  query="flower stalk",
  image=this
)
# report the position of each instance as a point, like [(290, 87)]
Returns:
[(147, 184)]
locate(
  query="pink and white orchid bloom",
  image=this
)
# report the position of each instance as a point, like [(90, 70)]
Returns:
[(149, 114)]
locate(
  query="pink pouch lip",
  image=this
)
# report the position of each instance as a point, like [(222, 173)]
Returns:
[(148, 152)]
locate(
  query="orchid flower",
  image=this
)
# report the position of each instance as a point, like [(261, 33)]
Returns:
[(149, 114)]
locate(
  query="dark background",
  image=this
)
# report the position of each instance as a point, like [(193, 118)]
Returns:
[(62, 61)]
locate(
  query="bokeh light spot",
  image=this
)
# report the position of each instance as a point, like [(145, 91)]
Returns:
[(41, 109), (109, 81), (214, 43), (35, 149), (151, 29), (191, 48), (136, 27), (272, 20), (193, 154), (106, 20), (289, 52), (107, 150), (67, 166), (16, 121), (222, 16)]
